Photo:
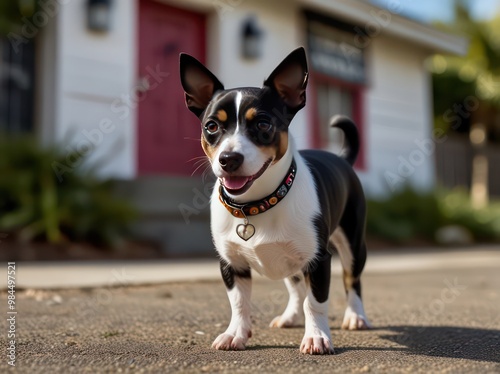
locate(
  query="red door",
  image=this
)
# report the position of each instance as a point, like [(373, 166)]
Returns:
[(168, 133)]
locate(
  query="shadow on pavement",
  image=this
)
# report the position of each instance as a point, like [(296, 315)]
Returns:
[(448, 341), (271, 346)]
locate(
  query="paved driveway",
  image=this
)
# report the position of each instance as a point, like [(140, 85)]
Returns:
[(425, 321)]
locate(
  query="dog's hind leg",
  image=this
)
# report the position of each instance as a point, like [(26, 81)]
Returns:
[(294, 312), (352, 251)]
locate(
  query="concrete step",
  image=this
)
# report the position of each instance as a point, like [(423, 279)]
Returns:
[(174, 212)]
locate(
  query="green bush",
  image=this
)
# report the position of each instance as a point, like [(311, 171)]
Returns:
[(35, 205), (484, 224), (409, 214)]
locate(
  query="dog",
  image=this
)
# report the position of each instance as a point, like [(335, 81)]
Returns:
[(275, 209)]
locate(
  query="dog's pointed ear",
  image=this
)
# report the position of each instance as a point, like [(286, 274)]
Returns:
[(198, 82), (289, 79)]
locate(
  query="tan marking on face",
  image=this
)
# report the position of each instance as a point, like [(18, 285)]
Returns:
[(276, 151), (222, 115), (207, 148), (269, 151), (250, 114)]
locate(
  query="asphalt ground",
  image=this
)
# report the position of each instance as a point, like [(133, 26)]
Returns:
[(432, 321)]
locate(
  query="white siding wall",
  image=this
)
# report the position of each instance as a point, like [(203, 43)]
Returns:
[(95, 71), (397, 113)]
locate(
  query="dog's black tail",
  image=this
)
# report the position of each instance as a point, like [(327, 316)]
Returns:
[(351, 140)]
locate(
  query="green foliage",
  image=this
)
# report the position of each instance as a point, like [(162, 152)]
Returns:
[(457, 209), (13, 13), (405, 215), (408, 214), (34, 204), (477, 74)]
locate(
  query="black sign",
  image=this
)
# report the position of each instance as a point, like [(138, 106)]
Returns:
[(334, 52)]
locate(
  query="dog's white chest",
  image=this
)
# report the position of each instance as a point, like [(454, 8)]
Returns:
[(285, 239), (273, 260), (283, 244)]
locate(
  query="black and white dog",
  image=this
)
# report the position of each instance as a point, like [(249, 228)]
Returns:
[(275, 209)]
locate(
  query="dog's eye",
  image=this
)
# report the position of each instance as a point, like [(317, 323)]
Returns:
[(212, 127), (265, 133), (264, 126)]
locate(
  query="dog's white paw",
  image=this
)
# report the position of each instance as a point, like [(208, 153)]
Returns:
[(317, 345), (355, 321), (287, 320), (231, 342), (355, 316)]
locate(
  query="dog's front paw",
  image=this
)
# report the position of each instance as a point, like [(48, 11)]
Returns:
[(317, 345), (355, 321), (287, 320), (231, 342)]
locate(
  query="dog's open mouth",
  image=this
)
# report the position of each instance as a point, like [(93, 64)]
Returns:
[(236, 185)]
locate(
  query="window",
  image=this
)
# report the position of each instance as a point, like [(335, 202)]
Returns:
[(333, 100), (16, 86), (338, 79)]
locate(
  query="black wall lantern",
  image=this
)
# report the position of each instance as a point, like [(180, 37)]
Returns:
[(251, 39), (99, 15)]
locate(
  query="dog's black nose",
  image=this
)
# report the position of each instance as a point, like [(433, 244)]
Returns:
[(230, 161)]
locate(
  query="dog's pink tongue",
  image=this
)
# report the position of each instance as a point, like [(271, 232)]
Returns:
[(234, 183)]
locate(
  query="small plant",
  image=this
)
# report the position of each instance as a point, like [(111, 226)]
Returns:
[(35, 205), (109, 334)]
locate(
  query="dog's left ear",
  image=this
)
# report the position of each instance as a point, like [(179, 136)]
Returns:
[(289, 79), (198, 82)]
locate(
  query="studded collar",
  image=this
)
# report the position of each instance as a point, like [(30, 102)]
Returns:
[(259, 206)]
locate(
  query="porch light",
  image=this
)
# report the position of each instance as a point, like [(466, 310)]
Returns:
[(251, 39), (99, 15)]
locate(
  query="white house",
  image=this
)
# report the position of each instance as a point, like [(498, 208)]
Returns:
[(114, 95)]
